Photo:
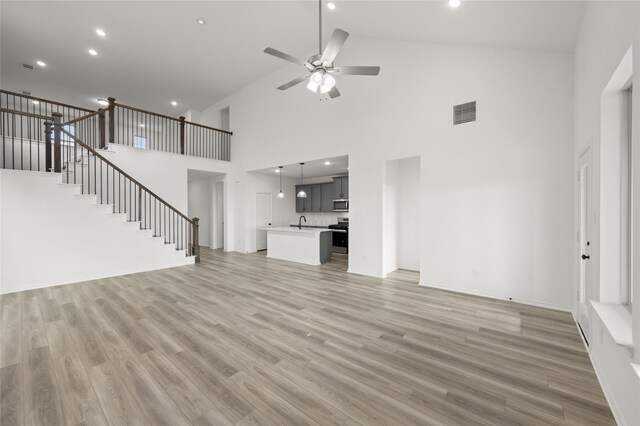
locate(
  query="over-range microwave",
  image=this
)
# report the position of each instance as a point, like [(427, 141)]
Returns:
[(341, 205)]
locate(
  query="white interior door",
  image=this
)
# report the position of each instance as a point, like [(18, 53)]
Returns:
[(584, 241), (263, 219)]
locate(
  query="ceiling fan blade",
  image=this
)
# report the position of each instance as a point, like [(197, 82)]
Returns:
[(293, 82), (357, 70), (282, 55), (334, 93), (333, 46)]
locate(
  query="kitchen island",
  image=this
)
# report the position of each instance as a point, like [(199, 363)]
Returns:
[(311, 246)]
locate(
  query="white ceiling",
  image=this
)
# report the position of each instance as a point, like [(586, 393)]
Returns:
[(312, 169), (155, 51)]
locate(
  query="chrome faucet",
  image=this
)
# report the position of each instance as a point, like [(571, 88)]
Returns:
[(300, 221)]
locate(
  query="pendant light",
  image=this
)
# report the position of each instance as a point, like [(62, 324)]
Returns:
[(280, 194), (302, 194)]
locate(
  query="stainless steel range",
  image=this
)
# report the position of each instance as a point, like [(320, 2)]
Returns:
[(341, 235)]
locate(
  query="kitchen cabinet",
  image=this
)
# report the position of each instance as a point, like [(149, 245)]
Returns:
[(327, 197), (316, 197), (320, 196), (303, 204), (341, 188)]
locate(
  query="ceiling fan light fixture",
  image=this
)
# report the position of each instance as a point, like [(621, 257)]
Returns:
[(327, 83), (312, 87), (315, 80), (317, 77)]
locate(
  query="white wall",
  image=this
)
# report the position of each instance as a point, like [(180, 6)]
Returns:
[(497, 192), (608, 30), (200, 206), (51, 236)]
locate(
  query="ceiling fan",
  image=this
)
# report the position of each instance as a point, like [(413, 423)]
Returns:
[(320, 68)]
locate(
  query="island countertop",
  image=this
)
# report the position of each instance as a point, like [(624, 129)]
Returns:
[(296, 229)]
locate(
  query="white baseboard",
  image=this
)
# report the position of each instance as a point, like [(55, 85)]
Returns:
[(499, 297), (368, 274)]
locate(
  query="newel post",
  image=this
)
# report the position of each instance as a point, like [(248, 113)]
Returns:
[(47, 146), (196, 243), (181, 135), (101, 129), (57, 145), (112, 119)]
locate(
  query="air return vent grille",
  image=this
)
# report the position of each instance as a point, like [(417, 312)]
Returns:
[(464, 113)]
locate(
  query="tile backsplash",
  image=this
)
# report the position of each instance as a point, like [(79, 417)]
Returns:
[(324, 219)]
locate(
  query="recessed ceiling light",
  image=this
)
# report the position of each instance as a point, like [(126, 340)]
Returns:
[(331, 5), (36, 102), (277, 170), (201, 21), (93, 52), (141, 125), (100, 32), (174, 103), (455, 3), (40, 63), (103, 102), (327, 163)]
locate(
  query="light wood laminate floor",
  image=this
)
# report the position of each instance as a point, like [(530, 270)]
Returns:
[(246, 340)]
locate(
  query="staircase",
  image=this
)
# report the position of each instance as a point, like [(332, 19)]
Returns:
[(68, 144)]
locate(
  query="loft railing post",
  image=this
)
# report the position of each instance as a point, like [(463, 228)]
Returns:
[(57, 145), (196, 243), (47, 146), (181, 135), (112, 120), (101, 129)]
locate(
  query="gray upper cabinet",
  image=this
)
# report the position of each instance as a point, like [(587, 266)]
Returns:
[(320, 196), (303, 204), (341, 188), (327, 197), (316, 197)]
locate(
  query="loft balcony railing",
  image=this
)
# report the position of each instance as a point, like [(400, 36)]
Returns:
[(21, 127)]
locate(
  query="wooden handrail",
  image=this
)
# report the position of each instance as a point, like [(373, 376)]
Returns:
[(27, 114), (125, 174), (170, 118), (84, 117), (44, 100)]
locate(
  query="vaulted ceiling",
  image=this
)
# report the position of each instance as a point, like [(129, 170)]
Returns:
[(155, 51)]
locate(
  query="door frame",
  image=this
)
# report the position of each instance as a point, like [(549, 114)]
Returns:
[(584, 237), (269, 197)]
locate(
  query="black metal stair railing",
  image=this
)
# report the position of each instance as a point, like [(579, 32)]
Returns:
[(83, 165), (56, 147)]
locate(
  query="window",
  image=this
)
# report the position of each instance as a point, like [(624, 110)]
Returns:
[(66, 139), (627, 200), (140, 142)]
